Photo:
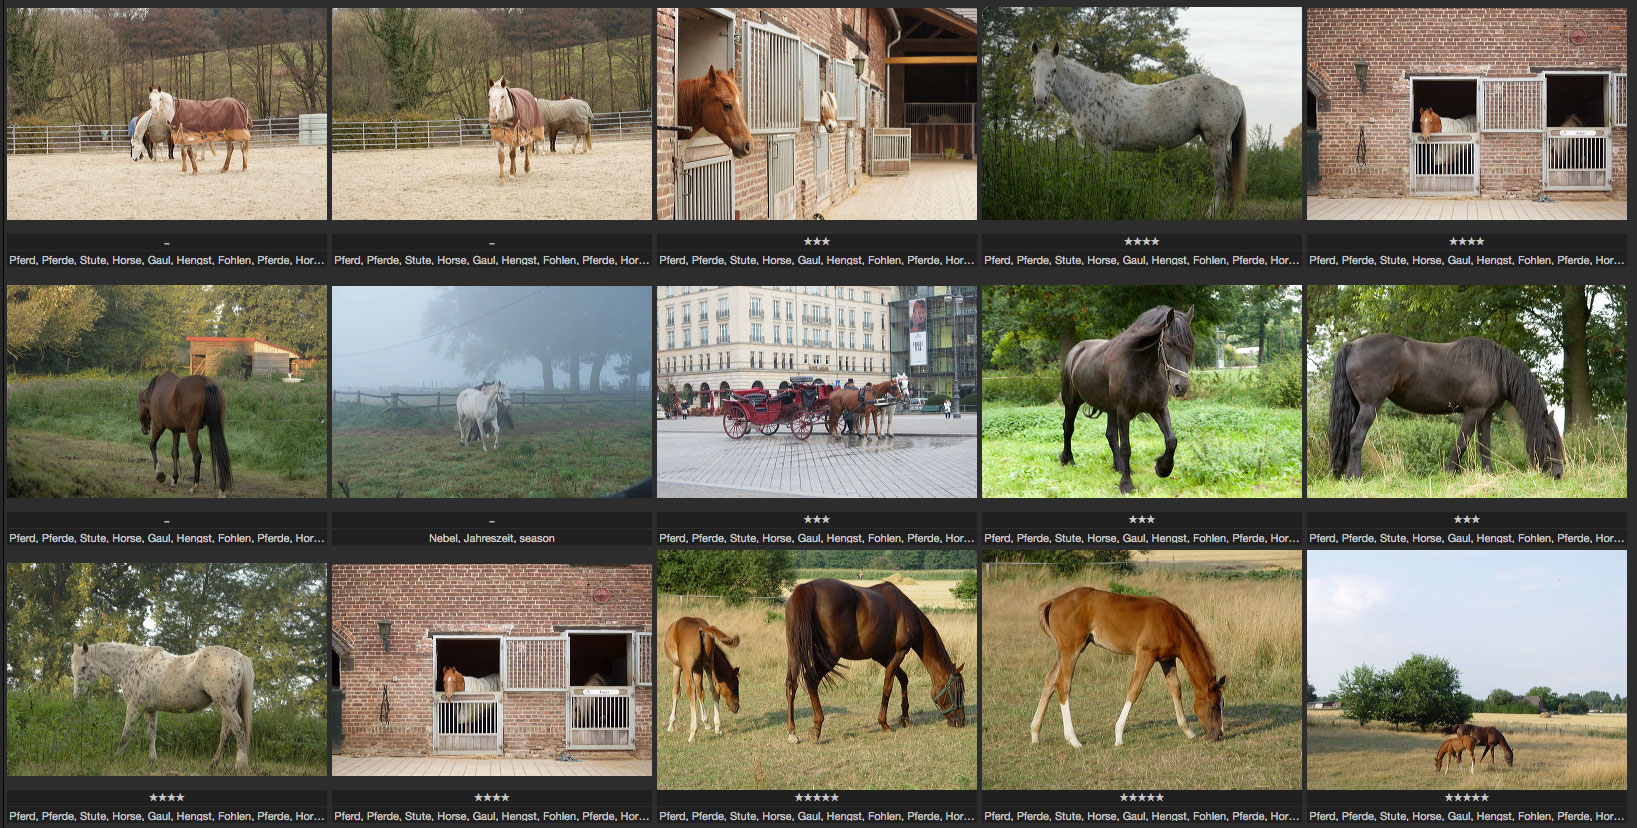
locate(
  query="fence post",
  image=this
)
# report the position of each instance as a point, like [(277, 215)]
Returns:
[(360, 399), (394, 399), (439, 400)]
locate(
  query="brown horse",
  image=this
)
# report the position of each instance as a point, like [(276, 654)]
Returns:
[(712, 103), (1151, 629), (863, 402), (827, 620), (1453, 747), (1485, 737), (185, 404), (691, 645)]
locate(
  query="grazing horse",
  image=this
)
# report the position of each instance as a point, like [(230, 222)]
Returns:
[(146, 131), (712, 103), (154, 681), (482, 406), (514, 122), (828, 620), (1470, 376), (691, 645), (1152, 630), (827, 110), (184, 405), (201, 122), (863, 402), (1134, 373), (1445, 152), (567, 114), (1111, 113), (1485, 737), (479, 717), (1453, 747)]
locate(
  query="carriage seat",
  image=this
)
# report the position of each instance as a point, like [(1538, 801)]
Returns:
[(801, 380), (757, 399)]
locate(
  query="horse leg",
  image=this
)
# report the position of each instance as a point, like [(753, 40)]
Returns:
[(131, 712), (693, 704), (1165, 462), (1113, 435), (1045, 695), (221, 742), (153, 449), (716, 708), (1355, 439), (1469, 423), (790, 679), (1145, 663), (676, 691), (526, 154), (228, 161), (903, 696), (244, 156), (500, 155), (891, 666), (193, 444), (1221, 158), (153, 735), (1123, 457), (1173, 682), (1484, 457), (233, 719), (1065, 683), (176, 456), (1071, 408), (818, 713)]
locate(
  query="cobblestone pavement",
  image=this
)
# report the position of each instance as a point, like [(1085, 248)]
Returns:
[(929, 456), (1412, 209), (483, 766), (933, 189)]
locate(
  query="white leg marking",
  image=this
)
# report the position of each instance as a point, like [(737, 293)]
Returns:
[(1119, 726), (1068, 726), (1182, 718), (716, 714)]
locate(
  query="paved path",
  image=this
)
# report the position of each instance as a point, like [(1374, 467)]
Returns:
[(1460, 209), (933, 189), (483, 766), (929, 456)]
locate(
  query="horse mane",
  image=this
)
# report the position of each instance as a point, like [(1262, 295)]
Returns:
[(1192, 633), (1522, 390), (720, 666), (1149, 324)]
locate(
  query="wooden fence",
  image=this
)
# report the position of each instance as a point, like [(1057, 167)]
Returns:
[(521, 398)]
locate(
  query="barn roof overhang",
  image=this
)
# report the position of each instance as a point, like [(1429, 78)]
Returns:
[(289, 351)]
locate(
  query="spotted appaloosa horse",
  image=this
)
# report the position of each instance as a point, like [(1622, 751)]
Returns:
[(154, 681), (1111, 113)]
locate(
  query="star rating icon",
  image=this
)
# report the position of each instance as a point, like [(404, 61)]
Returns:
[(1466, 797), (815, 518), (818, 797), (492, 797), (1466, 518), (1141, 519), (1466, 241), (166, 797), (812, 241), (1142, 797), (1141, 242)]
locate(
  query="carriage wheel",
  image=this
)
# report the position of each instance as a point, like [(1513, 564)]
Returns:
[(802, 427), (733, 422), (768, 428)]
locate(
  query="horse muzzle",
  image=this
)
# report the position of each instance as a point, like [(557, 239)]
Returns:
[(741, 150), (1179, 389), (1039, 102)]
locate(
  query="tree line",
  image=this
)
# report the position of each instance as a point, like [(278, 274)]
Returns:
[(94, 66), (1425, 691), (600, 337), (740, 575), (53, 329), (438, 62)]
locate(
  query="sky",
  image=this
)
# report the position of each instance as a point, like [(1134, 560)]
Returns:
[(1256, 49), (1512, 620)]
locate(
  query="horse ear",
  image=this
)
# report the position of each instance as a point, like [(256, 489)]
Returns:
[(1055, 49), (1190, 314), (960, 667), (1221, 680), (1034, 47)]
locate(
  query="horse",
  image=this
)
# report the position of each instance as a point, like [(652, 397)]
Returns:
[(1471, 376), (1444, 152), (712, 103), (479, 406), (1152, 630), (467, 714), (586, 712), (1134, 373), (146, 131), (884, 407), (514, 122), (503, 412), (827, 110), (195, 122), (828, 620), (154, 681), (862, 401), (1110, 113), (1485, 737), (185, 404), (567, 114), (691, 645), (1453, 747)]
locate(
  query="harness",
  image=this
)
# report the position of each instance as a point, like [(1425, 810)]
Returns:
[(948, 697), (1165, 361)]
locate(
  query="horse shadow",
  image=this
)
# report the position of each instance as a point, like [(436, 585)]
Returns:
[(1242, 720), (1396, 741)]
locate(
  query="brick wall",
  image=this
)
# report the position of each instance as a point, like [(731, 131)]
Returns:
[(665, 112), (1487, 42), (511, 599)]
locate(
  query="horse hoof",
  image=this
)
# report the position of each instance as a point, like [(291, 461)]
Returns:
[(159, 478), (792, 739), (194, 489), (903, 721), (1034, 738), (1162, 471), (222, 495), (1127, 488)]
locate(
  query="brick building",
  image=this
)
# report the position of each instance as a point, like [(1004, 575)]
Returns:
[(545, 629), (1518, 75)]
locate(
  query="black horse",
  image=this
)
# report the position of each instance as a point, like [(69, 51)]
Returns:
[(1471, 376), (1134, 373)]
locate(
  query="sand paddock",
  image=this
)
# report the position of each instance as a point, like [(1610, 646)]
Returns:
[(613, 181), (282, 184)]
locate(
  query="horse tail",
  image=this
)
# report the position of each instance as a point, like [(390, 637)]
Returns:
[(1238, 164), (727, 640), (247, 699), (1343, 412), (219, 459), (807, 647), (1045, 617)]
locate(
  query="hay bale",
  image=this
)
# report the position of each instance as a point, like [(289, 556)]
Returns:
[(900, 579)]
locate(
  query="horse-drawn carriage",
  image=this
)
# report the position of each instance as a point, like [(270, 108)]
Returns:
[(799, 404)]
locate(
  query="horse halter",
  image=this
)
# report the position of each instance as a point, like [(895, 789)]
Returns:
[(1166, 361), (949, 697)]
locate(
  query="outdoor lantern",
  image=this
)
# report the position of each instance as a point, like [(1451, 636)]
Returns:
[(859, 62), (384, 626), (1361, 68)]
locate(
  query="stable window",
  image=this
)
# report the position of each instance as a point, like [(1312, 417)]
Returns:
[(812, 83), (1579, 106), (772, 79), (470, 720)]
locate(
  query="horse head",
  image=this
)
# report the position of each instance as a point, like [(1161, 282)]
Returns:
[(144, 414), (727, 687), (827, 110), (1430, 122), (1043, 69), (950, 696), (80, 665), (500, 102), (1174, 345), (138, 130), (721, 111), (453, 682), (1551, 449), (1211, 709)]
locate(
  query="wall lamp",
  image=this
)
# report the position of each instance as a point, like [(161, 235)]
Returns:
[(384, 627), (1361, 69)]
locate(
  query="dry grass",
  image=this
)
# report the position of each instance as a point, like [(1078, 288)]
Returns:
[(927, 594), (1341, 755), (1241, 560), (752, 753), (1602, 724), (1254, 628)]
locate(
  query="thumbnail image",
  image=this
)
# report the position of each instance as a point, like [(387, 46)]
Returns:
[(1495, 391), (165, 669), (1227, 623), (482, 391), (783, 667), (91, 90), (776, 391), (1093, 113), (1396, 693), (493, 114), (1216, 369), (1495, 113), (493, 670), (104, 381), (860, 113)]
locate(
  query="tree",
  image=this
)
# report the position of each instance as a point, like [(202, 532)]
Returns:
[(1066, 314), (292, 316), (1597, 699), (1548, 699), (1362, 694), (1500, 696), (1308, 693), (47, 323), (1425, 691), (409, 52), (737, 575), (31, 61), (306, 60)]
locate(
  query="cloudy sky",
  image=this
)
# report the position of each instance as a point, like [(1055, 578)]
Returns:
[(1258, 50), (1553, 618)]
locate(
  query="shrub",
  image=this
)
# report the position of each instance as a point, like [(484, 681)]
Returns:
[(971, 402), (967, 589), (736, 575), (1280, 381), (937, 400), (32, 142), (1039, 388), (1123, 589)]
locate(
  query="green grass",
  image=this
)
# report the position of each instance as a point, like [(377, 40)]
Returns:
[(1343, 756), (751, 753), (1404, 456), (1226, 447), (1042, 178), (578, 450), (53, 734)]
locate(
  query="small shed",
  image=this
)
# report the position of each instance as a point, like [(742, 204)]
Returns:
[(265, 358)]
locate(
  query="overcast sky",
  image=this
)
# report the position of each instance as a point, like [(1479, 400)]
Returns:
[(1504, 619), (1258, 50)]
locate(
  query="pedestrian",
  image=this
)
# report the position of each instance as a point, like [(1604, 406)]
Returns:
[(946, 409)]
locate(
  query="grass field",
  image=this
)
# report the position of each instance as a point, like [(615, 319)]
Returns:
[(1561, 753), (578, 450), (928, 591), (1404, 456), (1254, 628), (53, 734), (752, 752), (78, 436)]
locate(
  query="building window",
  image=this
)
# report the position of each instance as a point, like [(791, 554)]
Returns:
[(670, 291), (790, 334), (704, 336), (707, 362), (687, 338), (852, 317), (775, 309), (866, 297), (789, 310), (776, 332), (866, 319), (670, 340), (867, 342), (704, 311), (722, 335), (755, 332), (722, 307), (687, 315), (756, 307), (687, 289)]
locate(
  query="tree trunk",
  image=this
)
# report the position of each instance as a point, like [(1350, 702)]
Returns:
[(1066, 340), (1261, 338), (597, 373), (1577, 381), (574, 374)]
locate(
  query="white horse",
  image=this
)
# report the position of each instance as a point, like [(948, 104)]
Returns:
[(479, 406), (1111, 113), (1444, 152), (154, 681), (585, 711), (890, 405), (827, 110)]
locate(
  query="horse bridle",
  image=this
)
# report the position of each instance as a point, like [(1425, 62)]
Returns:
[(950, 692), (1166, 361)]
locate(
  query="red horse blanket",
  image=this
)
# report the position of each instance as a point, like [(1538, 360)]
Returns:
[(220, 115), (526, 124)]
